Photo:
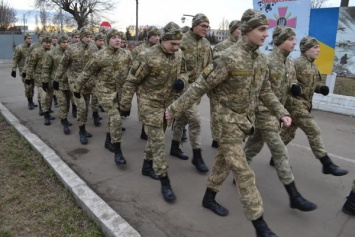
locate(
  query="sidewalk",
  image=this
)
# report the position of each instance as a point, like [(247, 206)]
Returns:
[(129, 204)]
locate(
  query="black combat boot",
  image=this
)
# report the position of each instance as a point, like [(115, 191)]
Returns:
[(214, 144), (297, 201), (147, 169), (184, 135), (166, 189), (50, 116), (96, 117), (349, 205), (65, 124), (73, 110), (176, 151), (198, 162), (271, 162), (31, 101), (262, 230), (108, 144), (55, 101), (119, 159), (40, 111), (47, 120), (209, 202), (30, 106), (82, 135), (144, 136), (330, 168)]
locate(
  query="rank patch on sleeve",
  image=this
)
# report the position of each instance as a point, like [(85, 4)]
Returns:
[(209, 69)]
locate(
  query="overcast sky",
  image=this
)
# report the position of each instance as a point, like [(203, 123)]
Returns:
[(160, 12)]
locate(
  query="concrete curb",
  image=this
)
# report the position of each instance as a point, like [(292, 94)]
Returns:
[(110, 222)]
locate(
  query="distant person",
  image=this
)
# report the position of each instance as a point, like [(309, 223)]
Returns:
[(344, 59), (75, 38)]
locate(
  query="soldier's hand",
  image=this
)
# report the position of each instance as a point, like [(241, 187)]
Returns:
[(178, 85), (125, 113), (45, 86), (28, 82), (286, 120), (324, 90), (55, 85), (168, 116), (77, 95), (296, 90), (13, 74), (23, 75)]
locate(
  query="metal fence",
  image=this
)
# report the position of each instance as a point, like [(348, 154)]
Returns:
[(8, 42)]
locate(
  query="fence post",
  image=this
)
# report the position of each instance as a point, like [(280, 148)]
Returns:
[(330, 82)]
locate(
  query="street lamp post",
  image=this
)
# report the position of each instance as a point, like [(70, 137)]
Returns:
[(136, 20)]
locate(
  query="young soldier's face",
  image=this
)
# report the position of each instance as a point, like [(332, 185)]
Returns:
[(115, 41), (86, 39), (236, 32), (313, 52), (201, 29), (154, 39), (289, 44), (100, 42), (28, 40), (54, 41), (258, 35), (64, 44), (171, 46), (76, 38), (40, 38), (47, 45)]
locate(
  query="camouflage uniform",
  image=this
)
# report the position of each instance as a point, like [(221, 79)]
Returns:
[(109, 67), (235, 81), (153, 73), (74, 59), (198, 55), (49, 69), (152, 30), (282, 77), (218, 48), (21, 53)]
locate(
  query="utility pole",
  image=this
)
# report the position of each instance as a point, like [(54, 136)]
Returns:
[(24, 23), (61, 21), (344, 3), (136, 20)]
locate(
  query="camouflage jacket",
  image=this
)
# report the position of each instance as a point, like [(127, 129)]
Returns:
[(307, 75), (282, 77), (198, 54), (153, 73), (73, 62), (32, 47), (235, 81), (218, 48), (21, 53), (50, 66), (137, 50), (109, 67), (34, 64)]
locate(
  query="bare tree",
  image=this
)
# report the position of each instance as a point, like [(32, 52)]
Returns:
[(317, 3), (7, 16), (224, 25), (44, 17), (80, 10)]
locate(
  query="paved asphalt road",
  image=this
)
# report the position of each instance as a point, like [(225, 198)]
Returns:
[(139, 201)]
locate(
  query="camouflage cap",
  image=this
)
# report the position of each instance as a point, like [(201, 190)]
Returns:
[(199, 18), (152, 30), (185, 29), (54, 36), (26, 35), (252, 19), (41, 32), (75, 32), (234, 25), (103, 30), (281, 34), (123, 35), (47, 38), (63, 38), (172, 31), (85, 31), (110, 33), (307, 43), (99, 35)]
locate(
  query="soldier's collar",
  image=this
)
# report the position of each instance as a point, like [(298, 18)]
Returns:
[(281, 52), (247, 45), (194, 35), (308, 58)]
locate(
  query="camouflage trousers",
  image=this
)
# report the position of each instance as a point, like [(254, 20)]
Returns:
[(82, 105), (155, 148), (312, 131), (277, 148), (64, 97), (110, 104), (94, 101), (192, 118), (231, 157), (39, 95), (29, 89), (46, 98)]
